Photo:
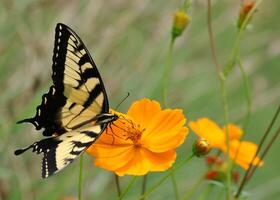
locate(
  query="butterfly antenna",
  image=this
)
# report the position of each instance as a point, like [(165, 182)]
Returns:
[(122, 101)]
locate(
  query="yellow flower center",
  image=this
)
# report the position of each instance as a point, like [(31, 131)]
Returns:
[(131, 131)]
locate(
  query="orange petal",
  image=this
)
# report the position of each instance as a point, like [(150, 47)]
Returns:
[(235, 133), (144, 161), (210, 131), (143, 111), (246, 151), (165, 131), (111, 157)]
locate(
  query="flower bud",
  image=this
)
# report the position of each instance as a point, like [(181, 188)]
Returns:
[(215, 175), (180, 21), (201, 147), (246, 7)]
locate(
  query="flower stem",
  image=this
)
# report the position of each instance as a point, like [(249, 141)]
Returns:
[(144, 183), (173, 170), (190, 192), (166, 72), (248, 172), (174, 184), (211, 37), (264, 153), (167, 66), (222, 79), (131, 182), (247, 93), (118, 184), (226, 119), (80, 178), (206, 192)]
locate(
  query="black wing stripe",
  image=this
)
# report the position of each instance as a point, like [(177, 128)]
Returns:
[(46, 113), (66, 148)]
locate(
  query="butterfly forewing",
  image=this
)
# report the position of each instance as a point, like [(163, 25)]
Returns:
[(69, 110)]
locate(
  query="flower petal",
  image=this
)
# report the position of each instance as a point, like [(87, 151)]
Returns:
[(235, 133), (246, 151), (144, 161), (143, 111), (111, 157), (210, 131), (165, 131)]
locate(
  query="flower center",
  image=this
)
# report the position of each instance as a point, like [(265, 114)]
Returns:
[(134, 133)]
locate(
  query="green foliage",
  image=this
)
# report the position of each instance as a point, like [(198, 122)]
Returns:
[(129, 41)]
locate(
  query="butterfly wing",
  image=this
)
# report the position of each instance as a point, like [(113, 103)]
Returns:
[(69, 112), (60, 151), (77, 93)]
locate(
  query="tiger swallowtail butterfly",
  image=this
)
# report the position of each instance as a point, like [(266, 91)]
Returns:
[(75, 111)]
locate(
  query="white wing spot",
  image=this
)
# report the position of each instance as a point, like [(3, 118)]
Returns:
[(53, 90), (39, 112)]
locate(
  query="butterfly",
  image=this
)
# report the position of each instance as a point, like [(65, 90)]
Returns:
[(75, 111)]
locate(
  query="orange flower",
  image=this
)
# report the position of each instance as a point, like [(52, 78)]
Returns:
[(142, 140), (240, 151)]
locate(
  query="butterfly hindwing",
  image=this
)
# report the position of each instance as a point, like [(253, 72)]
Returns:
[(75, 111)]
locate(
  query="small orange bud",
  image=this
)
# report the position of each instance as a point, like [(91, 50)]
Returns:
[(246, 7), (201, 147), (211, 175), (180, 21), (215, 175)]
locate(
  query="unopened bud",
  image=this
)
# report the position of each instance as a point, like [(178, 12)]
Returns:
[(201, 147), (246, 7), (215, 175), (180, 21)]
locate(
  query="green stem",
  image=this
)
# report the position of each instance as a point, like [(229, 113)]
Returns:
[(118, 185), (144, 184), (80, 183), (172, 171), (174, 184), (220, 194), (247, 93), (222, 79), (131, 182), (206, 192), (226, 119), (185, 5), (249, 104), (166, 72), (190, 192)]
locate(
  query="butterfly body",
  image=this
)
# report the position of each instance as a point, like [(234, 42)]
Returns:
[(75, 111)]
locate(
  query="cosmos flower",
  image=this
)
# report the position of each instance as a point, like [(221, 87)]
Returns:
[(242, 152), (141, 141)]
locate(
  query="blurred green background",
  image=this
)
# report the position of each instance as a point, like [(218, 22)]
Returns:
[(128, 41)]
